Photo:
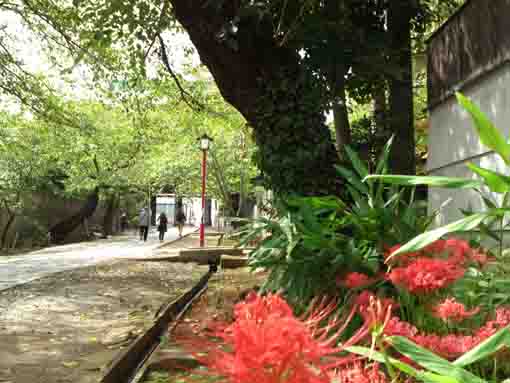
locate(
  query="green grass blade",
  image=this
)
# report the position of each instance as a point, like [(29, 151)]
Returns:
[(443, 182), (353, 179), (356, 162), (431, 361), (419, 242), (496, 182), (382, 163), (489, 135), (486, 348)]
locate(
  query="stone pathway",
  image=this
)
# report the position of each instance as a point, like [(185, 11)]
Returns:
[(20, 269)]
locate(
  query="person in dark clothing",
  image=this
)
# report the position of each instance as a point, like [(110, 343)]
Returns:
[(162, 226), (143, 222), (123, 222), (180, 218)]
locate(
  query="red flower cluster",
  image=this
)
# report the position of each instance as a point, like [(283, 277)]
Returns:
[(354, 280), (454, 249), (361, 373), (450, 346), (367, 302), (451, 310), (424, 275), (267, 344)]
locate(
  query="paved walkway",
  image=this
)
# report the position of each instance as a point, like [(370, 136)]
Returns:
[(19, 269)]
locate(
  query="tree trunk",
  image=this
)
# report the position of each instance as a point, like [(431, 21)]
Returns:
[(217, 172), (340, 111), (108, 216), (62, 229), (380, 112), (5, 231), (265, 82), (402, 157)]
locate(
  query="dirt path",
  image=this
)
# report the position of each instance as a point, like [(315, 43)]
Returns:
[(67, 327), (19, 269)]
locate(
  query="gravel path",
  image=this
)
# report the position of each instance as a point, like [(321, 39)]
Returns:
[(19, 269)]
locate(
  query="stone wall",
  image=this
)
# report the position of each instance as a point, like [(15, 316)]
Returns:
[(43, 211)]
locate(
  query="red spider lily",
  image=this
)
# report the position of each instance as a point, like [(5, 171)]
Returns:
[(355, 280), (367, 302), (456, 250), (267, 344), (451, 310), (449, 346), (425, 275), (362, 373), (260, 308), (401, 259)]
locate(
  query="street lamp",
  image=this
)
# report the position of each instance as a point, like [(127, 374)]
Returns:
[(205, 143)]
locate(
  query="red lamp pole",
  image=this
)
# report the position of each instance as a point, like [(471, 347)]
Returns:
[(204, 173)]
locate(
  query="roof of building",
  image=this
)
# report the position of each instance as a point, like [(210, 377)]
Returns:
[(449, 20)]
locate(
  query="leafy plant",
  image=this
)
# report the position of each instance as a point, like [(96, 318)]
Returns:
[(303, 250), (381, 215), (435, 368), (496, 182), (314, 240)]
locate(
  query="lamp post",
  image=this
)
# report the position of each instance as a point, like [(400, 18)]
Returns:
[(205, 142)]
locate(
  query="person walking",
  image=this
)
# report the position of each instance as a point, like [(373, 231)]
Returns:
[(180, 218), (143, 223), (162, 226), (123, 222)]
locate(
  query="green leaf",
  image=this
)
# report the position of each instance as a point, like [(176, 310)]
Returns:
[(496, 182), (382, 163), (486, 348), (377, 356), (431, 361), (490, 136), (352, 178), (419, 242), (356, 162), (437, 181)]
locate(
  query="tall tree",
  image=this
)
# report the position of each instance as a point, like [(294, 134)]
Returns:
[(402, 157), (270, 88)]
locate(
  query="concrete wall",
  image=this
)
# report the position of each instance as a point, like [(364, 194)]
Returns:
[(43, 211), (453, 141)]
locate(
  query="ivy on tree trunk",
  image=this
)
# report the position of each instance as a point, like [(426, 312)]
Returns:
[(269, 87)]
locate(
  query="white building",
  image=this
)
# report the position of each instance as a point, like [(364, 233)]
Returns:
[(192, 208), (470, 53)]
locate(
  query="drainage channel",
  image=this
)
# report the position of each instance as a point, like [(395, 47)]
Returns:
[(126, 366)]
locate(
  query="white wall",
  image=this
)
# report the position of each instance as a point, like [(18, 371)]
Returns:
[(453, 141)]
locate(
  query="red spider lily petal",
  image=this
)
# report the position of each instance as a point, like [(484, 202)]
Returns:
[(480, 257), (259, 308), (425, 275), (354, 280), (451, 310), (397, 327), (362, 373), (457, 244), (450, 346), (401, 259), (436, 247), (267, 343)]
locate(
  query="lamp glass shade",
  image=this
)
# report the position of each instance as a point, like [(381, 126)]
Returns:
[(204, 143)]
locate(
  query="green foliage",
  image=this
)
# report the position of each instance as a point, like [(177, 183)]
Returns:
[(314, 240), (381, 215), (434, 368), (304, 250), (494, 181)]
